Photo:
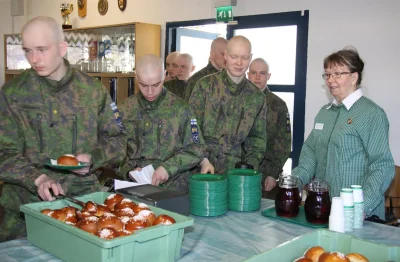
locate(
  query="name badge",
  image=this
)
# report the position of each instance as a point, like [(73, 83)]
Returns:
[(319, 126)]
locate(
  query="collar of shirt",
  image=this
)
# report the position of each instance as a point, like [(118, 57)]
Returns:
[(54, 85), (234, 88), (349, 101)]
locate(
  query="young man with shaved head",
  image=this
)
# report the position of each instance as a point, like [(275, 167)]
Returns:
[(184, 67), (216, 64), (278, 129), (169, 64), (162, 130), (232, 111), (47, 111)]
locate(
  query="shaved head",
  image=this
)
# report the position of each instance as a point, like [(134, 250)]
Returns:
[(149, 64), (45, 23), (241, 41), (218, 47), (259, 73), (260, 61), (169, 62)]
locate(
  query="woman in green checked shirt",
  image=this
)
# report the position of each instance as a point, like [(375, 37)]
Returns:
[(349, 142)]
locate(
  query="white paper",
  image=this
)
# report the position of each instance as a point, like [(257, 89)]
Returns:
[(118, 184), (144, 176)]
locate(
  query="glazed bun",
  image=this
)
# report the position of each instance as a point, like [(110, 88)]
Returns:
[(128, 212), (89, 224), (355, 257), (136, 223), (333, 257), (67, 160), (107, 233), (313, 253), (163, 220), (149, 215), (125, 203), (139, 207), (110, 222), (112, 200), (303, 259)]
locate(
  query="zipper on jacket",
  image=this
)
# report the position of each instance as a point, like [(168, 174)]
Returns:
[(39, 129), (240, 121), (74, 133)]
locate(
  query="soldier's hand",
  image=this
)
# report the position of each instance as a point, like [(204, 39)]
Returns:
[(160, 176), (206, 167), (44, 183), (269, 183), (86, 158)]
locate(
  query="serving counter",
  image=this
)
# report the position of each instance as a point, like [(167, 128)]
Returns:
[(235, 236)]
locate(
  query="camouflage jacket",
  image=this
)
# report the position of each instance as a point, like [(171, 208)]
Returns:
[(208, 70), (43, 118), (176, 87), (232, 118), (279, 136), (162, 133)]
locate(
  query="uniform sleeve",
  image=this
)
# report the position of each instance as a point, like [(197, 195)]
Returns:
[(189, 88), (279, 144), (256, 141), (14, 167), (380, 163), (112, 139), (308, 160), (191, 152)]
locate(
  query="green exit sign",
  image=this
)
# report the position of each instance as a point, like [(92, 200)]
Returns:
[(224, 14)]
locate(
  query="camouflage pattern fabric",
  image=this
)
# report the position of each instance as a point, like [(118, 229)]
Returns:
[(233, 120), (208, 70), (44, 119), (162, 133), (176, 87), (279, 139)]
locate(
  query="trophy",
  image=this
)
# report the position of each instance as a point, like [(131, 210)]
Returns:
[(66, 9)]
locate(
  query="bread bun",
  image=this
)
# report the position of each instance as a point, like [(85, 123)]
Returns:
[(69, 210), (139, 207), (136, 223), (46, 212), (107, 233), (71, 220), (124, 233), (303, 259), (110, 222), (355, 257), (314, 252), (164, 220), (333, 257), (124, 212), (101, 209), (91, 207), (67, 160), (149, 215), (125, 203), (89, 224), (112, 200)]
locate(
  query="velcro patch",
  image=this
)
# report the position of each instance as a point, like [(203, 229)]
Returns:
[(117, 116), (194, 130)]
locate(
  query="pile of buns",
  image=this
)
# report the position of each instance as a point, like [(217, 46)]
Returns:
[(318, 254), (118, 216)]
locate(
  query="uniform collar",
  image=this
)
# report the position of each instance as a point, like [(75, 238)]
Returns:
[(234, 88), (153, 105), (349, 101), (266, 90), (55, 85), (210, 67)]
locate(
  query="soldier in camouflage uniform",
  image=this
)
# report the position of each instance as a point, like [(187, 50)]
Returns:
[(170, 66), (183, 69), (231, 111), (216, 63), (278, 129), (47, 111), (162, 130)]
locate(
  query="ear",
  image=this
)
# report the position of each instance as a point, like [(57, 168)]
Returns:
[(211, 55), (226, 55), (268, 76), (354, 78), (193, 67), (248, 74), (63, 48)]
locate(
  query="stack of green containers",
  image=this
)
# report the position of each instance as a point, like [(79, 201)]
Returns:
[(208, 195), (244, 190)]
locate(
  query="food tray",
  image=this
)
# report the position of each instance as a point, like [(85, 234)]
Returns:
[(157, 243), (330, 241), (300, 219)]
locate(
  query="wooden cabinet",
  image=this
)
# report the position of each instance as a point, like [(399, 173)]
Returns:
[(107, 53)]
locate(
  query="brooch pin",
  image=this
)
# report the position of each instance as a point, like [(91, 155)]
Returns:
[(349, 121)]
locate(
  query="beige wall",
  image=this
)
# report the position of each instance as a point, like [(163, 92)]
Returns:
[(369, 25)]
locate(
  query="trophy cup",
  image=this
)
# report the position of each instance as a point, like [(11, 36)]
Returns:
[(66, 9)]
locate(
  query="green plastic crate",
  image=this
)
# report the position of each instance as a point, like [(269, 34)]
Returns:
[(330, 241), (157, 243)]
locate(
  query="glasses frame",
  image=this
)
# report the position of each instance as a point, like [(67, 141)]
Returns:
[(335, 75)]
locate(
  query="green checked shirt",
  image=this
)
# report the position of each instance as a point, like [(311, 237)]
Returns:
[(349, 146)]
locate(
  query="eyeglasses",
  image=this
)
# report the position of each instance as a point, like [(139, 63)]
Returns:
[(335, 75)]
